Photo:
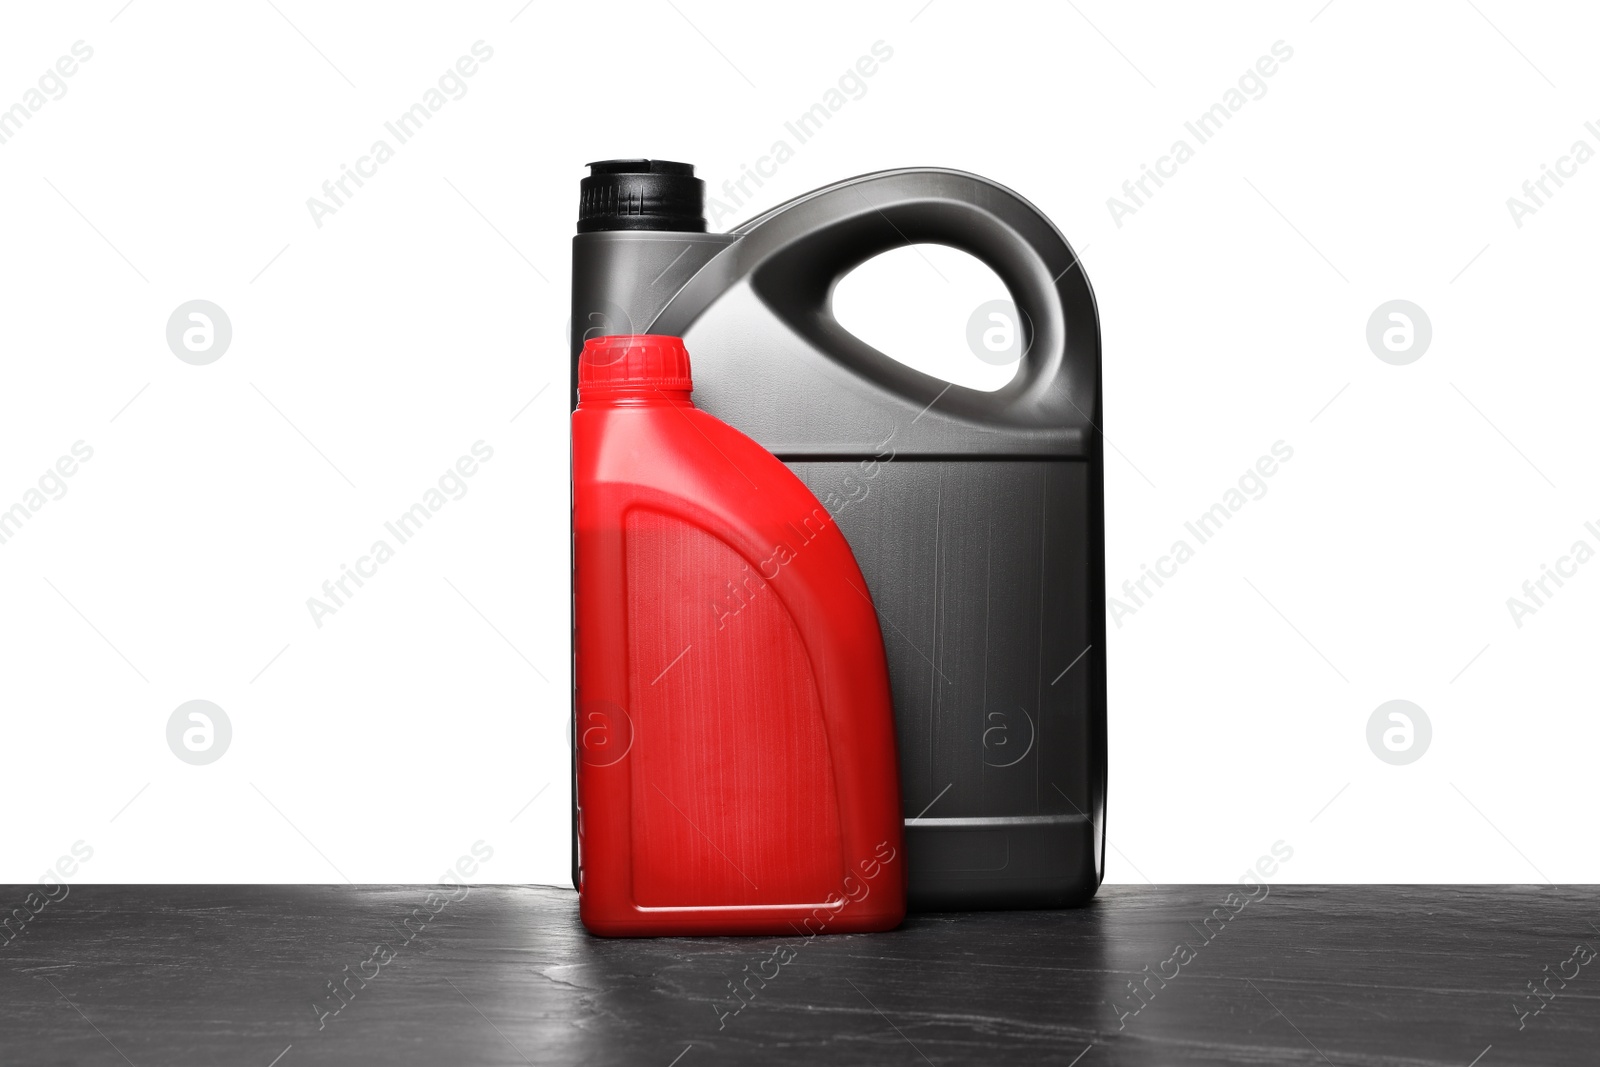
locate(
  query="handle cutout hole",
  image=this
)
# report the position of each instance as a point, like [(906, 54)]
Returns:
[(938, 310)]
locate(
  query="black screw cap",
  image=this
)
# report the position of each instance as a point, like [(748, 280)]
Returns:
[(641, 194)]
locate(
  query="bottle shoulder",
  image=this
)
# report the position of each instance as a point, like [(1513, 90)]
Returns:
[(703, 472), (683, 451)]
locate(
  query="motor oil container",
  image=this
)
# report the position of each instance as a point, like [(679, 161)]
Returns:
[(976, 517), (736, 765)]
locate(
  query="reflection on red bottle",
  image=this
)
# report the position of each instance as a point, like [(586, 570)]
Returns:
[(736, 768)]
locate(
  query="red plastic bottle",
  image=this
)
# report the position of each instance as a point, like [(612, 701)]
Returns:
[(736, 751)]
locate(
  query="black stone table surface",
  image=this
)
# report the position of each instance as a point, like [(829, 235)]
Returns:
[(281, 976)]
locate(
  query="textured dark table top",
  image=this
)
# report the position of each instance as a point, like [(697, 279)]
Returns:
[(505, 975)]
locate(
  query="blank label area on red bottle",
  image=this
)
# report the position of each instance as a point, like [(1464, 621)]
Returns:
[(733, 788)]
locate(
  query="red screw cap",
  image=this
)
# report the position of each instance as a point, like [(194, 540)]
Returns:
[(641, 360)]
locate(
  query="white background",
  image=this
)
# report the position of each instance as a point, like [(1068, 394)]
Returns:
[(430, 311)]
